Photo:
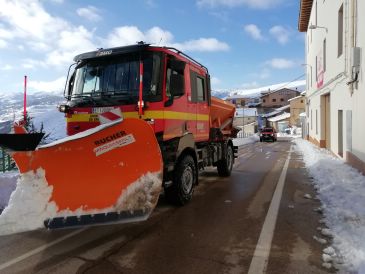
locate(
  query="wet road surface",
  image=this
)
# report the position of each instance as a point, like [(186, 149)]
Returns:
[(217, 232)]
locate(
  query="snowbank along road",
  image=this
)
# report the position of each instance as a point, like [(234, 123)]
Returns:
[(261, 219)]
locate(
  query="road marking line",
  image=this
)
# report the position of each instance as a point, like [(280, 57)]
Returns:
[(262, 251), (39, 249)]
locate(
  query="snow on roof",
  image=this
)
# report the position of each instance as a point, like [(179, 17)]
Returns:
[(280, 117), (276, 111), (256, 92), (294, 98)]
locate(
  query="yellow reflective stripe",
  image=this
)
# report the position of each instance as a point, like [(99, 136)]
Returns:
[(177, 135), (150, 114)]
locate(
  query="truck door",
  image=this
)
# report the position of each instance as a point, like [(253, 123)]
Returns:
[(200, 96), (179, 111)]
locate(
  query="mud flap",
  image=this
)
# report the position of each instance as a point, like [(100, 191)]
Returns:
[(109, 173)]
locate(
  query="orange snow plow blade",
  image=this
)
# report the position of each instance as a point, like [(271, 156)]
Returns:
[(111, 173)]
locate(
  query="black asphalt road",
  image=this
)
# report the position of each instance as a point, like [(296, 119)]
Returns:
[(217, 232)]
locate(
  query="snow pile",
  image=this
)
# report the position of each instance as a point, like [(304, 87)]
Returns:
[(7, 186), (142, 194), (29, 204), (245, 141), (341, 190)]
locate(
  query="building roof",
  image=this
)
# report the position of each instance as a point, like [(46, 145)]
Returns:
[(276, 111), (304, 14), (294, 98), (279, 117), (278, 90)]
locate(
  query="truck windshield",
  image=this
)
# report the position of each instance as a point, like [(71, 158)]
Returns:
[(118, 76)]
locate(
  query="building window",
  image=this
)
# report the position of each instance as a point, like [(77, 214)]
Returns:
[(200, 89), (264, 100), (301, 101), (273, 100), (281, 99), (340, 31)]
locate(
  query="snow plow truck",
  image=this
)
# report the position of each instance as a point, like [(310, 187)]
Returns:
[(140, 121)]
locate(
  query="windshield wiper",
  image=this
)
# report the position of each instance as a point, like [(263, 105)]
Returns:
[(89, 97)]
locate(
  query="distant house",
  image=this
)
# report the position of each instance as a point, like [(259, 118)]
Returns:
[(297, 106), (237, 100), (277, 98), (278, 118), (244, 100), (280, 122), (245, 116)]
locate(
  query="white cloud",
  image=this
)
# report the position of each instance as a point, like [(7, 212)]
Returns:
[(71, 43), (3, 44), (254, 31), (281, 34), (27, 25), (202, 44), (280, 63), (28, 20), (255, 4), (90, 13), (57, 1), (48, 86), (127, 35), (5, 34), (7, 67), (32, 63)]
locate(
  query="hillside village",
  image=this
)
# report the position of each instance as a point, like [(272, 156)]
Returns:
[(283, 109)]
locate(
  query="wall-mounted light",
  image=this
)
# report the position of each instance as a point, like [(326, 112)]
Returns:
[(317, 27)]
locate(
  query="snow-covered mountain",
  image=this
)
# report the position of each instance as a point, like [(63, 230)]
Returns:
[(256, 92), (41, 106)]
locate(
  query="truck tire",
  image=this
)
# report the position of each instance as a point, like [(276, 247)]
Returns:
[(181, 190), (224, 166)]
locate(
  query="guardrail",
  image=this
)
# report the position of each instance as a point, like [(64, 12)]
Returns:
[(241, 134), (6, 162)]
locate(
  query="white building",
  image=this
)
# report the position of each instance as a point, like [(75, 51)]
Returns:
[(335, 40)]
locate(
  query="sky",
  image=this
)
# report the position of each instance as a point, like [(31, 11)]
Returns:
[(244, 43)]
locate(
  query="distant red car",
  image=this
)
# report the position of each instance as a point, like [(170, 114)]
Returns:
[(268, 133)]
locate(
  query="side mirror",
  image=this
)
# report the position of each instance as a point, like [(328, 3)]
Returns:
[(177, 85)]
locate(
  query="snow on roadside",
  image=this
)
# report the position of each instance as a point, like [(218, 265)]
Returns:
[(341, 190), (7, 186), (245, 141), (28, 205)]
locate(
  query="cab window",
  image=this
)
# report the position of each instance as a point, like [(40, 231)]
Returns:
[(198, 87)]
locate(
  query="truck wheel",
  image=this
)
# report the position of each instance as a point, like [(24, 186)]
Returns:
[(224, 166), (181, 190)]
